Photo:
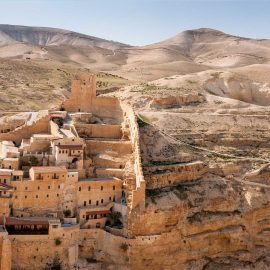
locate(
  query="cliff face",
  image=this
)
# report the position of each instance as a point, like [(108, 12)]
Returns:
[(202, 212), (211, 223)]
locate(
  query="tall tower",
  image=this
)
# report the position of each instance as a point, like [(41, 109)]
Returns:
[(83, 92)]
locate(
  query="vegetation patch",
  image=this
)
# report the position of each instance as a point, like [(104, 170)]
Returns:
[(58, 242)]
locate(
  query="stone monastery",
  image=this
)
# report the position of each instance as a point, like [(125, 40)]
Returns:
[(69, 181)]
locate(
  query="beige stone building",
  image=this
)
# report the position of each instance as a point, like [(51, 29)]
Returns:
[(66, 176)]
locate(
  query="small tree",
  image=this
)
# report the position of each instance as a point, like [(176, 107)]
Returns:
[(56, 264), (124, 246), (115, 218), (57, 242), (33, 161), (67, 213)]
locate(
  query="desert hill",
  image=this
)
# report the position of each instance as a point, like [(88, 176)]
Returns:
[(52, 37), (56, 54)]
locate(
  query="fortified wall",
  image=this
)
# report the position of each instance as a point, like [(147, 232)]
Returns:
[(83, 99), (5, 250)]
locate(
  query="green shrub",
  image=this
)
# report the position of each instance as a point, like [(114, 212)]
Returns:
[(58, 242), (141, 123), (67, 213), (124, 246)]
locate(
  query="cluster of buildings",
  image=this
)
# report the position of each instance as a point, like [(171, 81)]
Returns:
[(72, 166)]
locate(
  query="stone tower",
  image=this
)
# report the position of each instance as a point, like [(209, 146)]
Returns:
[(83, 92)]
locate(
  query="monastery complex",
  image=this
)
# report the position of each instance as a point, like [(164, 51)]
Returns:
[(69, 181)]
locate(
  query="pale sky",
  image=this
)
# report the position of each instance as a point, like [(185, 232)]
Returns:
[(139, 22)]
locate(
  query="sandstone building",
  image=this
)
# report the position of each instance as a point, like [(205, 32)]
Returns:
[(64, 176)]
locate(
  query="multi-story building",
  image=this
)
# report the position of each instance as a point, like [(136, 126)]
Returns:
[(65, 173)]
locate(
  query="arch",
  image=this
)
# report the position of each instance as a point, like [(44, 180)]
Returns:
[(108, 223), (74, 160)]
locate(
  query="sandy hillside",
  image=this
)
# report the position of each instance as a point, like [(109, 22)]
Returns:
[(204, 61)]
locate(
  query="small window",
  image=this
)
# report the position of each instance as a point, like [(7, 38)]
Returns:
[(26, 188), (47, 195), (89, 188), (101, 200), (57, 195), (101, 187), (49, 187), (38, 188), (113, 187), (25, 197), (36, 196), (89, 201), (80, 188), (59, 187)]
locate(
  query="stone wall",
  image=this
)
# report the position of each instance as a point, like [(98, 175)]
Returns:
[(44, 196), (99, 131), (39, 250), (83, 99), (96, 146), (138, 192), (41, 125), (5, 251)]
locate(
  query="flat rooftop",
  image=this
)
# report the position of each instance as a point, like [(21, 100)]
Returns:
[(100, 179), (49, 169)]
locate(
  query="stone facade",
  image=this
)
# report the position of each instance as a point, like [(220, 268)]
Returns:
[(62, 179)]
